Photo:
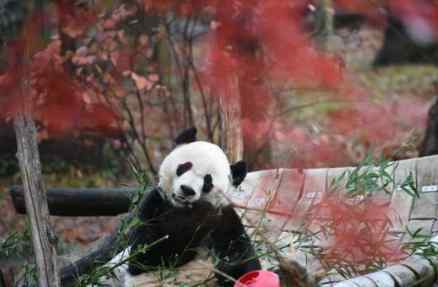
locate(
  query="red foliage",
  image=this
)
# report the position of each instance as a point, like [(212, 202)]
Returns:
[(359, 230), (123, 61), (60, 104), (74, 21), (11, 80), (57, 99), (258, 41), (289, 50), (11, 95), (352, 232), (378, 123), (288, 53), (309, 150), (351, 131)]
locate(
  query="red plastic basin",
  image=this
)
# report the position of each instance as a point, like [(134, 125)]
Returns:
[(260, 278)]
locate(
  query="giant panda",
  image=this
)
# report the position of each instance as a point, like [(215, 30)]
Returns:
[(187, 212)]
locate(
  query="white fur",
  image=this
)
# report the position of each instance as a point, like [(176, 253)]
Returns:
[(207, 158)]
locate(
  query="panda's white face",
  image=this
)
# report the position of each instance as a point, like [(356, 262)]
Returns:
[(195, 171)]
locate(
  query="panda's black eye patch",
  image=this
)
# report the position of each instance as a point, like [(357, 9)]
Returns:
[(184, 167), (208, 183)]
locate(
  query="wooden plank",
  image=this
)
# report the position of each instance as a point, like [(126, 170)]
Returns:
[(315, 183), (346, 283), (285, 208), (424, 207), (363, 281), (333, 174), (257, 189), (256, 192), (423, 268), (382, 279), (402, 275), (423, 226), (273, 200), (401, 201), (427, 186), (43, 238), (249, 186), (414, 271)]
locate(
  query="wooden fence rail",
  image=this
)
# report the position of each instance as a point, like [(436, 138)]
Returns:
[(80, 201)]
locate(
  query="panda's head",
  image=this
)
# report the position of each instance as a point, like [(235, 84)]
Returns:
[(198, 171)]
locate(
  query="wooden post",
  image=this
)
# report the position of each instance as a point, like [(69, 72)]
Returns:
[(36, 203), (43, 239)]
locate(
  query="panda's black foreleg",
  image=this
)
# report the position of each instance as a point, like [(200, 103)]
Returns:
[(233, 248), (141, 233)]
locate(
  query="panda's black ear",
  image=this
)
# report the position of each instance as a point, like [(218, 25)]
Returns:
[(238, 172), (186, 136)]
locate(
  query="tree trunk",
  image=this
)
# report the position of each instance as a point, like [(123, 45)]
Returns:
[(231, 116), (35, 198), (324, 23)]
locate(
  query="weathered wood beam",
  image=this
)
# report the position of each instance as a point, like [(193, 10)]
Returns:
[(80, 201), (35, 199)]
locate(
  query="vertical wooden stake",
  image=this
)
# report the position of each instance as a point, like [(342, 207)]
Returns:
[(30, 167), (36, 202)]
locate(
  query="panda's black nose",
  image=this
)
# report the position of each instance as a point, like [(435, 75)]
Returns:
[(187, 190)]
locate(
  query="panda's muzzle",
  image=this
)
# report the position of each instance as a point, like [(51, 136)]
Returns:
[(187, 191)]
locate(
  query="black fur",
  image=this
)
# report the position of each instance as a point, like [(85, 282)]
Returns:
[(186, 136), (184, 167), (238, 172), (208, 183), (429, 146), (233, 246), (187, 229)]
